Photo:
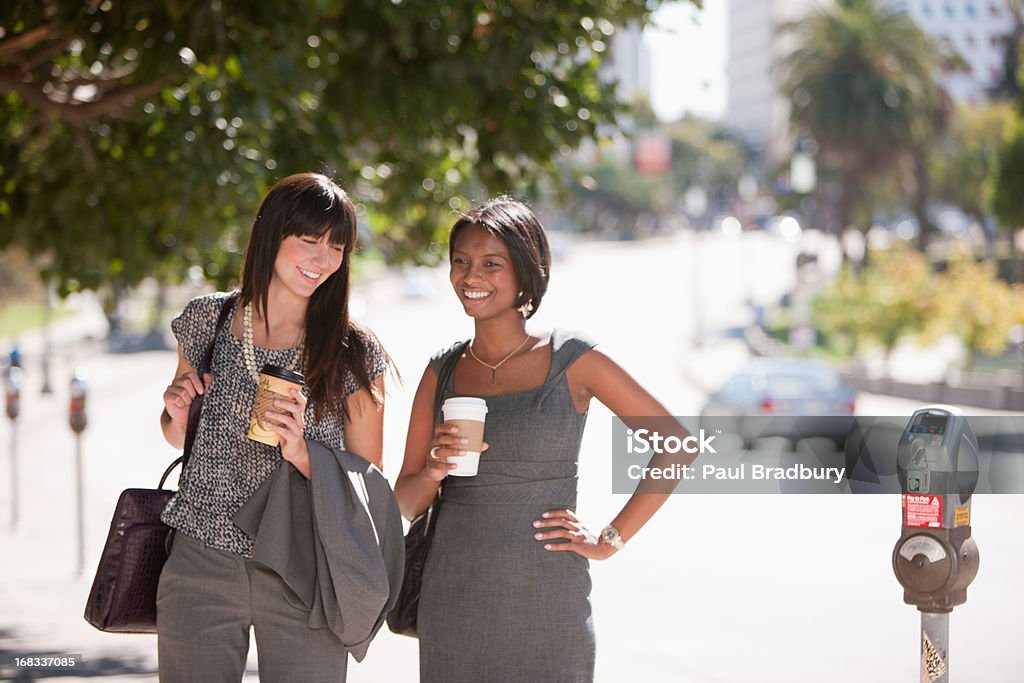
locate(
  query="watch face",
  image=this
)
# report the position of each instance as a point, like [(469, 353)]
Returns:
[(609, 534)]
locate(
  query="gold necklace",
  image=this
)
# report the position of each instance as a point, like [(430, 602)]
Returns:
[(249, 351), (494, 368)]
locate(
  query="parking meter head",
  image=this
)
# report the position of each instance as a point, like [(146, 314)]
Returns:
[(935, 558), (12, 391), (78, 393), (938, 454)]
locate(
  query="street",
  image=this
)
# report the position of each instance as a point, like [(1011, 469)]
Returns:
[(717, 588)]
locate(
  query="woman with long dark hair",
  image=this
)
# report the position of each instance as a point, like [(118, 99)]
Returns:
[(292, 311)]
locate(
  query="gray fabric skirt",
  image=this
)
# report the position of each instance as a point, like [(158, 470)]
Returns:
[(496, 606)]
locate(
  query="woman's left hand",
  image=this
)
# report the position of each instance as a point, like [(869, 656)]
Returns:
[(558, 524), (288, 422)]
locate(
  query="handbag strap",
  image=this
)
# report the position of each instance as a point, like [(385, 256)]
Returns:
[(195, 409), (444, 374), (446, 371)]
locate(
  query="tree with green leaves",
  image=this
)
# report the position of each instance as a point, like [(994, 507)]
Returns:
[(611, 194), (964, 164), (860, 82), (136, 138), (1007, 199), (890, 300), (973, 303)]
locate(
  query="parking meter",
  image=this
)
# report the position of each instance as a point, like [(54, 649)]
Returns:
[(937, 465), (12, 391), (76, 408), (935, 558)]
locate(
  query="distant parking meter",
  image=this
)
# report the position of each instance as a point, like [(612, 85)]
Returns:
[(78, 420), (12, 400), (12, 391), (76, 408), (936, 559)]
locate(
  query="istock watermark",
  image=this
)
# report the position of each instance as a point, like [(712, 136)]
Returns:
[(802, 454), (642, 441)]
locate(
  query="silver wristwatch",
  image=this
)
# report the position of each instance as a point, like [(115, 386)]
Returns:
[(610, 535)]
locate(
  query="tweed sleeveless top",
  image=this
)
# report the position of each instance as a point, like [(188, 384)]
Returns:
[(226, 467)]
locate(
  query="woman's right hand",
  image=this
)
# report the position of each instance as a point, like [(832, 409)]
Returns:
[(446, 444), (180, 393)]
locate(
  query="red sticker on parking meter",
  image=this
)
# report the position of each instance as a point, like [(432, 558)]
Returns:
[(923, 512)]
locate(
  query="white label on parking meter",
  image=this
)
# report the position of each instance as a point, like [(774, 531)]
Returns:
[(923, 545)]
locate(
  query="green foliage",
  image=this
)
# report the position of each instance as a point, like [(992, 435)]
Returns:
[(897, 296), (860, 82), (964, 166), (611, 195), (1008, 199), (136, 138), (977, 306), (22, 316), (890, 300), (841, 312)]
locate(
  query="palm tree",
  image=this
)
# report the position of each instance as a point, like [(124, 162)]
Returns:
[(861, 83)]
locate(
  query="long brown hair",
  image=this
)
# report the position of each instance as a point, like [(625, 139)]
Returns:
[(313, 204)]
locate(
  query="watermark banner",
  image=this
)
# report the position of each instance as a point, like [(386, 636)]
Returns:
[(817, 454)]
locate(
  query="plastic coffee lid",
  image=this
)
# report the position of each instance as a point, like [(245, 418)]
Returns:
[(465, 402), (283, 373)]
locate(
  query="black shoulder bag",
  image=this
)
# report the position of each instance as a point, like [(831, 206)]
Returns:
[(123, 594), (402, 618)]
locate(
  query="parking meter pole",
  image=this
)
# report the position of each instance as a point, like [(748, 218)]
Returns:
[(12, 403), (79, 504), (78, 419), (14, 475), (934, 647), (47, 314)]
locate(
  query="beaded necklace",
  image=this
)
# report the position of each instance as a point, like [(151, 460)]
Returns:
[(249, 349)]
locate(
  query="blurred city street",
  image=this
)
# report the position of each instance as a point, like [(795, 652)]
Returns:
[(716, 589)]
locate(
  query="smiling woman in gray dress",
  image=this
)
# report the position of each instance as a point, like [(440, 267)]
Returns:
[(506, 587)]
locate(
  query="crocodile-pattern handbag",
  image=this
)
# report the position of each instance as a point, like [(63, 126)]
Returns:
[(123, 594)]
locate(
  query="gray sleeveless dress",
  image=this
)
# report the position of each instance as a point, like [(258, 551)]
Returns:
[(495, 606)]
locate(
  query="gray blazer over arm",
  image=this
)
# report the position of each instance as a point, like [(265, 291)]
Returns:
[(335, 539)]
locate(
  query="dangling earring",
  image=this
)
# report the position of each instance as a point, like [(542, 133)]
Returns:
[(526, 308)]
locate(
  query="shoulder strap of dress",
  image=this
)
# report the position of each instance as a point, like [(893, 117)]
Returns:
[(566, 348)]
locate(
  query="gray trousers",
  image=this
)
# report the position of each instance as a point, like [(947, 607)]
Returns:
[(206, 602)]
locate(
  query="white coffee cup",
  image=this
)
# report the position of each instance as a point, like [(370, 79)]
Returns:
[(469, 414)]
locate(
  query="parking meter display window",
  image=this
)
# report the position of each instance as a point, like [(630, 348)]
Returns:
[(930, 423)]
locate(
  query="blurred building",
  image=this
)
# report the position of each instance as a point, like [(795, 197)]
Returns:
[(629, 63), (973, 29), (754, 108)]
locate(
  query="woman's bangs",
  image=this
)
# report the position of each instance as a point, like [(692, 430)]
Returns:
[(336, 224)]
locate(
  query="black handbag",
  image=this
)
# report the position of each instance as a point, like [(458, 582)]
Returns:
[(123, 594), (403, 616)]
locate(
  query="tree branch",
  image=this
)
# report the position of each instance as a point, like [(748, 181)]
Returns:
[(82, 114), (23, 41)]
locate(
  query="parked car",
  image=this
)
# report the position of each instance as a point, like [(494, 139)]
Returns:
[(791, 397)]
